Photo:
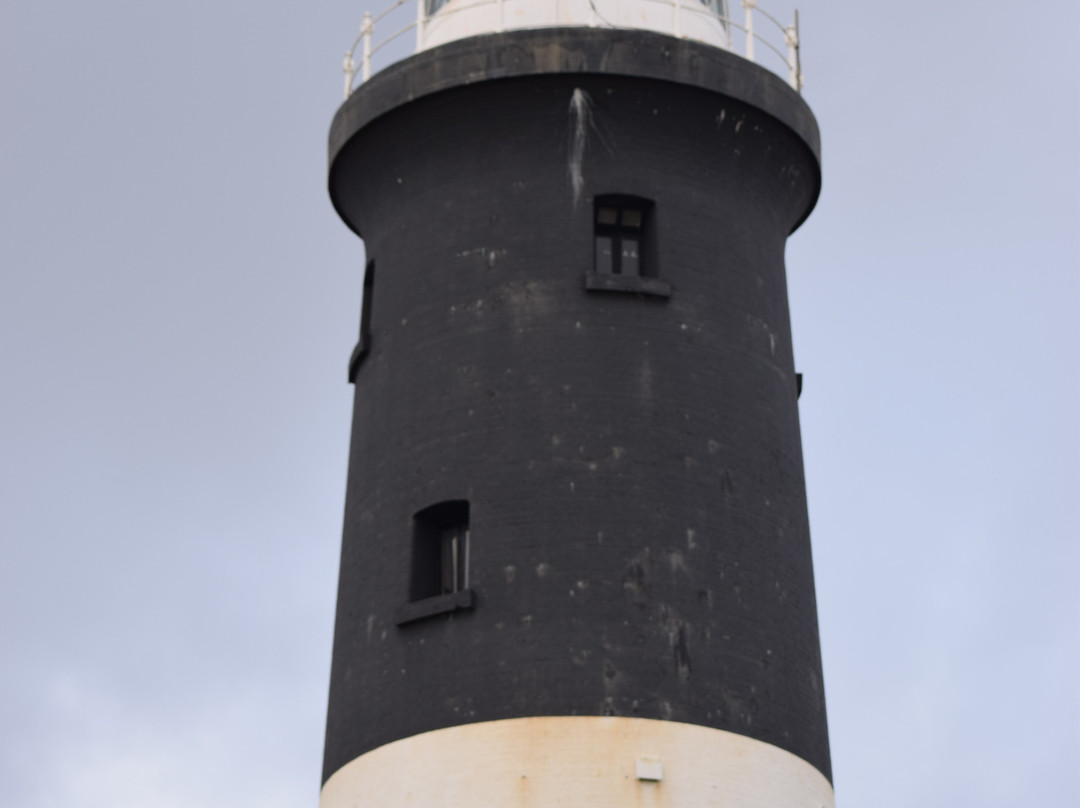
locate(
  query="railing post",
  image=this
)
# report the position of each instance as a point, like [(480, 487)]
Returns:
[(350, 74), (798, 51), (367, 28), (792, 39), (748, 8), (420, 19)]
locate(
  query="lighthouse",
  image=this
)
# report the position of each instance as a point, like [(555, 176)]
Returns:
[(576, 564)]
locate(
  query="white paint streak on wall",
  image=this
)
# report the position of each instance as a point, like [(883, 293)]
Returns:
[(580, 115)]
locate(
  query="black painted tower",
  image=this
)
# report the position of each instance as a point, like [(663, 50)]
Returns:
[(576, 561)]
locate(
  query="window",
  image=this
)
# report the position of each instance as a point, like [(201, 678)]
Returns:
[(364, 345), (439, 575), (719, 8), (440, 550), (618, 234), (624, 256)]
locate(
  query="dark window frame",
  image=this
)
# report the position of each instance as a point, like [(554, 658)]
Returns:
[(439, 563), (625, 256)]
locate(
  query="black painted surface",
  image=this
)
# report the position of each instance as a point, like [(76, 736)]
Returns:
[(440, 604), (638, 530)]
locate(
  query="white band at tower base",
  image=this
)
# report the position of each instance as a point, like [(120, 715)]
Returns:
[(587, 761)]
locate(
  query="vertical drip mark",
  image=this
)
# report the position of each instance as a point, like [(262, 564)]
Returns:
[(580, 120)]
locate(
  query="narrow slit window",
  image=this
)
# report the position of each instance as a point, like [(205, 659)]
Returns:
[(440, 563), (365, 305), (364, 344), (439, 576), (453, 541)]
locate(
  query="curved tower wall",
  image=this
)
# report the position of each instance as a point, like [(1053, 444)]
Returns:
[(602, 472)]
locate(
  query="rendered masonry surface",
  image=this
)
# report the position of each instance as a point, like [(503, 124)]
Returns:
[(575, 483)]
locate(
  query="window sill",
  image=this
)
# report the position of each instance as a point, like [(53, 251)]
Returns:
[(358, 354), (595, 282), (429, 607)]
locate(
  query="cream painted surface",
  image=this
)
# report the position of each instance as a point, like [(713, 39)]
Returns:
[(684, 18), (587, 761)]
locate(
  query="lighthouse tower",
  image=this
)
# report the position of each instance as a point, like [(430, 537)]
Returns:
[(576, 563)]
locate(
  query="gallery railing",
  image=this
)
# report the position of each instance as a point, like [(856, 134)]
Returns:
[(783, 40)]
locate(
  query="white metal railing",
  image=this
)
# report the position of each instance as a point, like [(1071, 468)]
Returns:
[(788, 51)]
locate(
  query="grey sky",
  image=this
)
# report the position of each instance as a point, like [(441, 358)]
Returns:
[(178, 302)]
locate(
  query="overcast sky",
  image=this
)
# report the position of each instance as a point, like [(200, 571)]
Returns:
[(178, 302)]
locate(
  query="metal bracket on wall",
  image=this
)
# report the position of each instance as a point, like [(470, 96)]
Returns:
[(649, 769)]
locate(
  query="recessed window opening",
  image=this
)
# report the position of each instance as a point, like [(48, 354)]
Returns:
[(364, 345), (440, 550), (620, 229), (365, 306)]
